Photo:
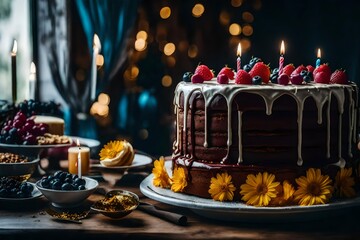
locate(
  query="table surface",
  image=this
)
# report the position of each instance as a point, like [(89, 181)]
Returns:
[(28, 220)]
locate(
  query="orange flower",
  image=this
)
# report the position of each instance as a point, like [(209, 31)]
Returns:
[(161, 177), (222, 188)]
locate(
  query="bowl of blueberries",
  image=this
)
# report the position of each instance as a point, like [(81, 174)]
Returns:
[(64, 189)]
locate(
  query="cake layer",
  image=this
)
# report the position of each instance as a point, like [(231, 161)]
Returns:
[(267, 124), (55, 124)]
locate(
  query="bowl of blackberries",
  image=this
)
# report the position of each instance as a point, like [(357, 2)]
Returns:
[(11, 188), (64, 189)]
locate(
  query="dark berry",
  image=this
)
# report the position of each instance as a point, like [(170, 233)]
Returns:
[(81, 187), (187, 77), (256, 80), (66, 187), (303, 73), (247, 68)]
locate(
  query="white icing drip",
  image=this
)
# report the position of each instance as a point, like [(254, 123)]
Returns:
[(240, 159), (270, 92), (328, 136), (299, 121), (351, 122), (177, 128), (340, 138), (205, 127)]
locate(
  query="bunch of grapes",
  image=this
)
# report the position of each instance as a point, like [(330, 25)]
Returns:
[(32, 107), (11, 188), (22, 130)]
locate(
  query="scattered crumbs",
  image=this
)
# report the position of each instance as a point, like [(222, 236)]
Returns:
[(42, 213)]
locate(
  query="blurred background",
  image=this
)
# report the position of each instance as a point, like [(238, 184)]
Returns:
[(146, 46)]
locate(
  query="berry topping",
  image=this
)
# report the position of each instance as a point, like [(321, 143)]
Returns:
[(296, 79), (247, 68), (322, 74), (204, 72), (274, 75), (283, 79), (197, 78), (262, 70), (222, 78), (228, 72), (310, 68), (243, 77), (187, 77), (254, 60), (299, 69), (339, 77), (256, 80), (288, 69)]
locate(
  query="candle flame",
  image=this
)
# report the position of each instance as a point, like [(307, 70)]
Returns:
[(77, 143), (97, 43), (282, 48), (32, 72), (239, 50), (14, 49), (319, 53)]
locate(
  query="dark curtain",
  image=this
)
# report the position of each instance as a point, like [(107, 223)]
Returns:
[(111, 21)]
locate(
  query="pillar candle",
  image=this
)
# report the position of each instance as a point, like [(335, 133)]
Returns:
[(13, 73)]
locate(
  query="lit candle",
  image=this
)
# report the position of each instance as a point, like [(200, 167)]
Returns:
[(318, 58), (79, 158), (96, 50), (13, 72), (238, 60), (32, 81), (281, 60)]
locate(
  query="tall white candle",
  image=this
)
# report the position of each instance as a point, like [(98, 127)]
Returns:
[(79, 158), (96, 50), (13, 72), (32, 81)]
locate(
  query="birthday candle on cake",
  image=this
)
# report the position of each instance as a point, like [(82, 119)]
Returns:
[(318, 58), (238, 60), (281, 59)]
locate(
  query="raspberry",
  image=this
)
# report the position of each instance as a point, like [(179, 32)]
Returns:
[(228, 72), (243, 77), (222, 79)]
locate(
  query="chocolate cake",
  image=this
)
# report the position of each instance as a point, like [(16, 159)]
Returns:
[(246, 129)]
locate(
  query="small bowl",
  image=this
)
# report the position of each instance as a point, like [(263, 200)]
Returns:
[(117, 211), (24, 170), (65, 199)]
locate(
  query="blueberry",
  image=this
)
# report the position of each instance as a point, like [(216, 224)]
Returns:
[(62, 176), (303, 73), (256, 80), (74, 176), (247, 68), (275, 71), (68, 180), (187, 77), (254, 60), (79, 182), (66, 187), (57, 174), (81, 187), (56, 185), (13, 132), (307, 79)]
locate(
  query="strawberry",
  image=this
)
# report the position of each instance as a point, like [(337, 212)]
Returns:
[(222, 78), (243, 77), (288, 69), (299, 69), (339, 77), (310, 68), (322, 74), (197, 78), (204, 72), (262, 70), (228, 72)]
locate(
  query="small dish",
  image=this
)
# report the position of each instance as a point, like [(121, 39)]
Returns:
[(117, 204), (24, 169), (63, 198)]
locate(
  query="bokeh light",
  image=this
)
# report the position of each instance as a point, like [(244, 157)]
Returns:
[(248, 30), (236, 3), (248, 17), (169, 49), (166, 81), (104, 99), (234, 29), (165, 12), (193, 51), (198, 10), (140, 44), (141, 35), (224, 18)]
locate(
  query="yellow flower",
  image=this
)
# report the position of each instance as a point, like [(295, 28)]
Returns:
[(222, 188), (111, 149), (178, 180), (344, 183), (259, 190), (161, 177), (285, 195), (314, 188)]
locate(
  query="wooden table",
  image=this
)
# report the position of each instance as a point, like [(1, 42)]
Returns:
[(28, 220)]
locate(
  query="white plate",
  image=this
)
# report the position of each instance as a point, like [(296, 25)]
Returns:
[(139, 160), (236, 211), (34, 194), (91, 143)]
